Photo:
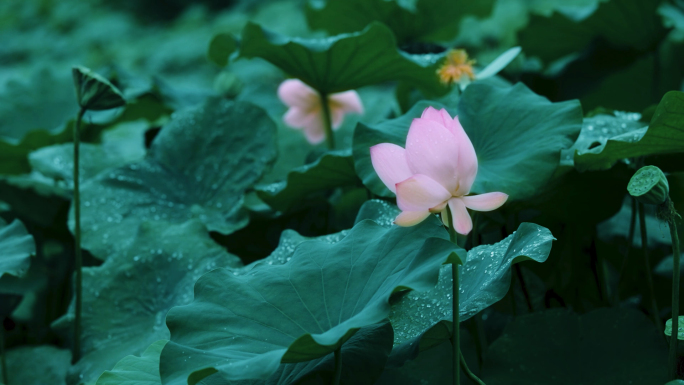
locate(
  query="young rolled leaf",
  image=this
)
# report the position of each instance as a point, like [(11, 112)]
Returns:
[(243, 326), (425, 21), (198, 166), (16, 248), (664, 135), (517, 155), (554, 343), (423, 319), (343, 62), (94, 92), (125, 300)]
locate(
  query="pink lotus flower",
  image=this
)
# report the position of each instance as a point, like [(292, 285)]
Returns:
[(306, 111), (437, 168)]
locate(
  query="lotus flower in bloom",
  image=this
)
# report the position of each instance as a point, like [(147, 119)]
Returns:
[(306, 112), (437, 168), (458, 68)]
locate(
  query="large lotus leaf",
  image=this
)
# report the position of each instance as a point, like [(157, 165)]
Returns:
[(16, 248), (333, 169), (606, 346), (424, 20), (37, 365), (345, 61), (664, 135), (622, 23), (517, 136), (121, 145), (132, 370), (598, 129), (423, 319), (363, 359), (244, 326), (125, 300), (199, 166)]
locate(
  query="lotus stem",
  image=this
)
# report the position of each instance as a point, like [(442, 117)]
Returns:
[(674, 340), (647, 265), (77, 238), (338, 366), (327, 121), (470, 374), (455, 309), (630, 243), (3, 357)]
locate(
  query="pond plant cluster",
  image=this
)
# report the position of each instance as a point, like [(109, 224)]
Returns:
[(317, 191)]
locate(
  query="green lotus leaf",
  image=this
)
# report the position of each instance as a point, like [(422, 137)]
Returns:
[(423, 319), (221, 47), (363, 359), (332, 169), (680, 332), (517, 135), (345, 61), (424, 20), (244, 326), (553, 344), (132, 370), (622, 23), (125, 300), (16, 248), (37, 365), (199, 166), (663, 136), (121, 145)]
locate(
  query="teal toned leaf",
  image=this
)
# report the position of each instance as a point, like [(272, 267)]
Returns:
[(517, 135), (16, 248), (37, 365), (554, 343), (343, 62), (333, 169), (424, 21), (363, 356), (622, 23), (121, 145), (132, 370), (199, 166), (664, 135), (94, 92), (125, 300), (598, 129), (221, 47), (245, 325), (484, 280), (680, 332)]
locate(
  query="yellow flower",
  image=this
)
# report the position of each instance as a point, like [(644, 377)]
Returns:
[(456, 66)]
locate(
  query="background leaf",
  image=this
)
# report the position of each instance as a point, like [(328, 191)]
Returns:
[(16, 248), (132, 370), (199, 166)]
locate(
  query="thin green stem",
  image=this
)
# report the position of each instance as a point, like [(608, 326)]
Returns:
[(647, 265), (455, 309), (675, 299), (470, 374), (2, 356), (77, 238), (338, 366), (327, 121), (630, 243)]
